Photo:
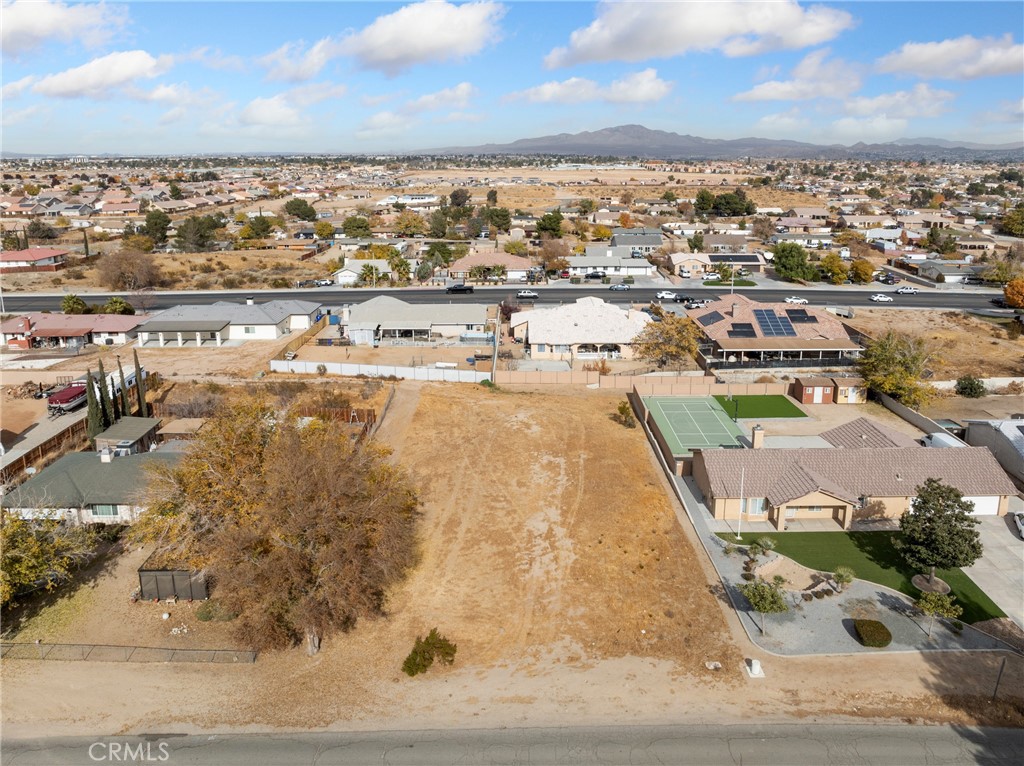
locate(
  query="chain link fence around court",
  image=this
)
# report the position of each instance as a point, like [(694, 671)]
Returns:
[(107, 653)]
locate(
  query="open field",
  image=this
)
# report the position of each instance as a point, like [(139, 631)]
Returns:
[(872, 556), (962, 344), (552, 556)]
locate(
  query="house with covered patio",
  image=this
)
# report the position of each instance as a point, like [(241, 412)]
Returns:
[(387, 320), (590, 328), (742, 333), (221, 322)]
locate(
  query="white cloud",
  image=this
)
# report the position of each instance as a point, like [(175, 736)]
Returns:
[(293, 63), (637, 31), (383, 124), (27, 24), (460, 117), (378, 99), (962, 58), (1006, 111), (458, 96), (16, 88), (270, 111), (314, 93), (921, 101), (783, 122), (813, 77), (868, 129), (634, 88), (172, 115), (217, 59), (102, 77), (425, 32), (15, 116)]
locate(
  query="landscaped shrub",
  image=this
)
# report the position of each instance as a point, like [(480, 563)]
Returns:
[(970, 387), (819, 594), (426, 650), (872, 633), (748, 576), (807, 596)]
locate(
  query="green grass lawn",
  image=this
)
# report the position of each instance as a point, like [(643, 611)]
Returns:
[(872, 557), (761, 407)]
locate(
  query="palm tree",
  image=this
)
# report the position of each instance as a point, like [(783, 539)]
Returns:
[(369, 274)]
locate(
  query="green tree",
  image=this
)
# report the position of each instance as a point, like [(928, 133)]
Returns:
[(842, 577), (500, 218), (324, 230), (259, 227), (670, 342), (696, 242), (765, 598), (939, 531), (704, 202), (125, 403), (38, 550), (895, 364), (157, 223), (369, 274), (424, 271), (195, 234), (944, 244), (790, 262), (106, 406), (492, 197), (438, 223), (304, 529), (426, 650), (459, 197), (586, 206), (1012, 222), (551, 224), (938, 605), (118, 305), (356, 227), (140, 387), (301, 209), (11, 240), (94, 411), (440, 254), (515, 247), (38, 229), (72, 304)]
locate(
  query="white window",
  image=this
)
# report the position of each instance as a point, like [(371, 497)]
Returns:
[(104, 510), (815, 509), (249, 330), (561, 349), (541, 347), (808, 390), (753, 506), (828, 389)]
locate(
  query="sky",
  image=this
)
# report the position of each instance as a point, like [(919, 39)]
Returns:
[(375, 77)]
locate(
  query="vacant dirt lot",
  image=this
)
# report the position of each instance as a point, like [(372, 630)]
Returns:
[(551, 555), (963, 344)]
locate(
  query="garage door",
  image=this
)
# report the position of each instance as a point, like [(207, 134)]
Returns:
[(985, 506)]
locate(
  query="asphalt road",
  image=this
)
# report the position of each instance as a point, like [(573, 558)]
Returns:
[(789, 744), (332, 296)]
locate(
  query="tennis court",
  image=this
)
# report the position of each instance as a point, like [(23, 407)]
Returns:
[(692, 422)]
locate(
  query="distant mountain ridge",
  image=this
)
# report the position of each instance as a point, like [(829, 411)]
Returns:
[(638, 141)]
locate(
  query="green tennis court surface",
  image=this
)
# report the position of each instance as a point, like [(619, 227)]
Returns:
[(761, 407), (692, 422)]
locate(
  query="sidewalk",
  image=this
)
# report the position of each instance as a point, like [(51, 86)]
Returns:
[(824, 626)]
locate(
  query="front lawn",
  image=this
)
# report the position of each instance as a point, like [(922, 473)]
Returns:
[(760, 407), (872, 557)]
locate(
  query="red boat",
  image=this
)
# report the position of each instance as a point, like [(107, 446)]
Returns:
[(67, 399)]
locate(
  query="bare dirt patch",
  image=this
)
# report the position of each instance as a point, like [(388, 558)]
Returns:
[(964, 344)]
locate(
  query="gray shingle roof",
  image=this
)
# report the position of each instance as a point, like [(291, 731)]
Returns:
[(393, 314), (217, 315), (782, 475), (863, 432), (81, 479)]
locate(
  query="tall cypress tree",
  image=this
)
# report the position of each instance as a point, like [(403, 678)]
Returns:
[(125, 405), (94, 418), (85, 241), (105, 403), (140, 387)]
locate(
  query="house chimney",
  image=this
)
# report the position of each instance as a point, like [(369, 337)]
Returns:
[(249, 301), (106, 455), (734, 307), (757, 437)]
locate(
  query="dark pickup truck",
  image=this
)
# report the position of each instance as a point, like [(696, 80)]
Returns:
[(459, 289)]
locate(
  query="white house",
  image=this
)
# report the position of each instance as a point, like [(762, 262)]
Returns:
[(580, 265), (590, 328), (222, 321), (384, 319)]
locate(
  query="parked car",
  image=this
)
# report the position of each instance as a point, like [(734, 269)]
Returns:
[(697, 303), (795, 299), (619, 287), (907, 290), (1018, 519), (665, 295), (324, 282), (881, 298), (682, 299), (595, 275), (1000, 302), (564, 273), (530, 295), (460, 288)]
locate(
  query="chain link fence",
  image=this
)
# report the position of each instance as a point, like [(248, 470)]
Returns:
[(106, 653)]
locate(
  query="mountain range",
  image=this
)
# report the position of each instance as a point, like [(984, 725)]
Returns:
[(638, 141)]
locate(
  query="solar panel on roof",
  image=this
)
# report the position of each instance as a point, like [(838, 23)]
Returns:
[(800, 316), (772, 325), (709, 319), (742, 330)]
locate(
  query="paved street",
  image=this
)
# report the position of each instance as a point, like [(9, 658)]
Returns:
[(789, 744)]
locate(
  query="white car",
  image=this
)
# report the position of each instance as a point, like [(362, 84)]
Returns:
[(1018, 519), (527, 294), (795, 299), (881, 298), (907, 290), (666, 295)]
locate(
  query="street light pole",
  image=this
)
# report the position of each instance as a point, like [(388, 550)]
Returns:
[(743, 504)]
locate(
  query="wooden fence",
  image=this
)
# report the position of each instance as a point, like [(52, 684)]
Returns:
[(71, 438), (296, 343)]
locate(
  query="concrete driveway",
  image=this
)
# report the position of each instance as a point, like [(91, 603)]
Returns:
[(1000, 570)]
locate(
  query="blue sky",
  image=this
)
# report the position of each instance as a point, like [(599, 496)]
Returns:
[(353, 77)]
